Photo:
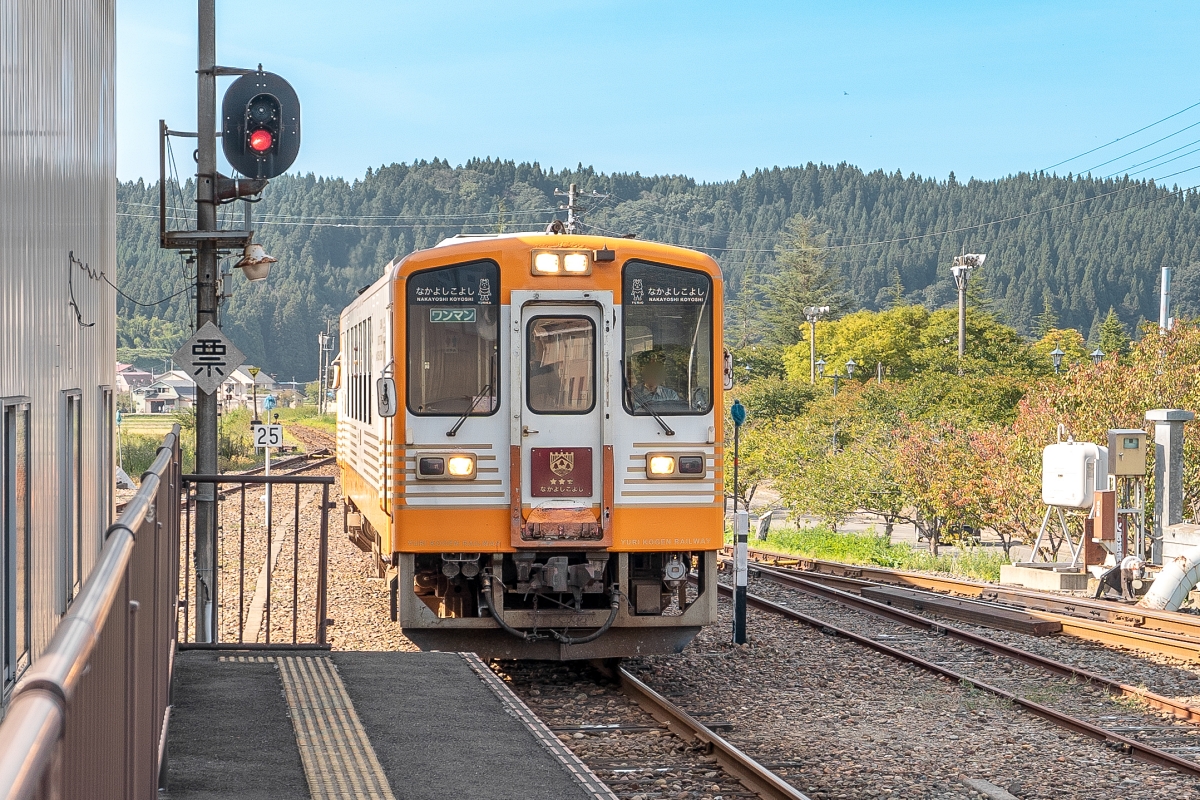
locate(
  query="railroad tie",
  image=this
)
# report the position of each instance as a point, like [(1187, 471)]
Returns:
[(339, 761)]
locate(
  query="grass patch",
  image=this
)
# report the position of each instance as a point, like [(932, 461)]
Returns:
[(870, 549), (307, 416)]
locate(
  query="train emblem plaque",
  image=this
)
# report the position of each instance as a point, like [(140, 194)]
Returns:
[(561, 471), (209, 358)]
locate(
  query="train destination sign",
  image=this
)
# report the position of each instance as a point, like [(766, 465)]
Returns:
[(451, 315), (209, 358)]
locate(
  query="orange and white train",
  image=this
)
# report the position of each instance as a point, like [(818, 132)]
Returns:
[(529, 431)]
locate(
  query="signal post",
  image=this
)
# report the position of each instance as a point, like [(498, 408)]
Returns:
[(260, 139)]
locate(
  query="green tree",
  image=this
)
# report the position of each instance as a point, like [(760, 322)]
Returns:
[(1114, 339), (1069, 341), (1047, 320), (803, 277)]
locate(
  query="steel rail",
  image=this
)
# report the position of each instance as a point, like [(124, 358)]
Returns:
[(1103, 611), (1185, 648), (1095, 621), (754, 776), (1125, 745), (1179, 709)]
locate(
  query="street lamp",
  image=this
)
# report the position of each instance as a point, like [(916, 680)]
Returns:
[(1097, 356), (960, 270), (850, 367), (812, 314), (1056, 356), (820, 364)]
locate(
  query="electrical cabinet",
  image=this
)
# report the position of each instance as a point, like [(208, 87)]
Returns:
[(1127, 452)]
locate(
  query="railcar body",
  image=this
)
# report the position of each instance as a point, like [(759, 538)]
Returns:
[(554, 465)]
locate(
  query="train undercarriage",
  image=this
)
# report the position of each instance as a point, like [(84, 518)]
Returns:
[(554, 604)]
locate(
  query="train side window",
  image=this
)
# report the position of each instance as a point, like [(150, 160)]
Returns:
[(72, 496), (358, 372), (561, 373), (15, 546), (453, 340), (668, 349)]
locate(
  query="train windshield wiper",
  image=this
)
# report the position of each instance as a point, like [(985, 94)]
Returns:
[(471, 401), (643, 404)]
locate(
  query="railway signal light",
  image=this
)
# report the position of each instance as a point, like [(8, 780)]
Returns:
[(260, 131)]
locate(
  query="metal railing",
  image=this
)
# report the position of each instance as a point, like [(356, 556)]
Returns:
[(271, 563), (89, 718)]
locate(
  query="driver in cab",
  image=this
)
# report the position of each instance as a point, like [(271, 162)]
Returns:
[(649, 390)]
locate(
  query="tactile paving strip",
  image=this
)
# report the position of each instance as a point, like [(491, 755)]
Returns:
[(516, 706), (339, 761)]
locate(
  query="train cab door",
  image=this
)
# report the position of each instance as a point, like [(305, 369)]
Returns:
[(561, 349)]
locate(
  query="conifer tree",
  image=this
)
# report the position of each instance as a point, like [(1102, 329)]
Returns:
[(1114, 339), (1046, 321), (802, 278)]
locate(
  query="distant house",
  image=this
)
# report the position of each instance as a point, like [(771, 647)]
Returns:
[(130, 377), (170, 392), (157, 398), (238, 389), (175, 390)]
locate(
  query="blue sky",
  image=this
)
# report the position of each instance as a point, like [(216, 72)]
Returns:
[(706, 89)]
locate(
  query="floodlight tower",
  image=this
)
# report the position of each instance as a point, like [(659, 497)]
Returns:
[(960, 270), (812, 314)]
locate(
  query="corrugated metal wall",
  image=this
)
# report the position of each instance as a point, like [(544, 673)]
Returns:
[(57, 197)]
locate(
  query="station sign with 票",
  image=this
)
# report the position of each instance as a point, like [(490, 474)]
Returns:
[(560, 471), (209, 358)]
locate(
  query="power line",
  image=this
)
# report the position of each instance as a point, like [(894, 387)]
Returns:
[(1143, 147), (104, 278), (1121, 138)]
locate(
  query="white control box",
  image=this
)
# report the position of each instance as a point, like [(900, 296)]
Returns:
[(1072, 472)]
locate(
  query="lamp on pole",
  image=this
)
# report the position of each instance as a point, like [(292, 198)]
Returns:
[(1056, 355), (812, 314), (1097, 356), (820, 364), (960, 270)]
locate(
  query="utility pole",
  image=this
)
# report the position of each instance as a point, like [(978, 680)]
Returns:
[(261, 134), (321, 372), (812, 314), (961, 270), (206, 311), (573, 209)]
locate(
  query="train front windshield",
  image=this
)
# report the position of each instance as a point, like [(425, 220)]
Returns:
[(668, 339), (453, 352)]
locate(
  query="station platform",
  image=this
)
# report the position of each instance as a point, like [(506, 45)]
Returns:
[(389, 726)]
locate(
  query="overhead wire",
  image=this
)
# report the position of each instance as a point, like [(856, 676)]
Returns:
[(1120, 138)]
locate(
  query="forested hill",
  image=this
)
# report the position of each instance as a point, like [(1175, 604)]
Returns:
[(1080, 245)]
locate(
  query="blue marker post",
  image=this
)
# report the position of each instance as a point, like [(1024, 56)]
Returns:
[(741, 532)]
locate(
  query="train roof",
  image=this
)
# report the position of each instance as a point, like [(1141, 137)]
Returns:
[(491, 244)]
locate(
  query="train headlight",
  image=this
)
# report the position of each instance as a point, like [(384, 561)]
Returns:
[(661, 465), (677, 466), (461, 466), (577, 263), (446, 466), (545, 264), (558, 262)]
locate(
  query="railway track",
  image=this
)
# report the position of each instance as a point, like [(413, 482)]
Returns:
[(639, 742), (1032, 682), (1167, 633)]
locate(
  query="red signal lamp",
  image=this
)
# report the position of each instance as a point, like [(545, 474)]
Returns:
[(260, 141)]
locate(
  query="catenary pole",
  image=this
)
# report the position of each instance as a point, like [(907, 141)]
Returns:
[(206, 311)]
